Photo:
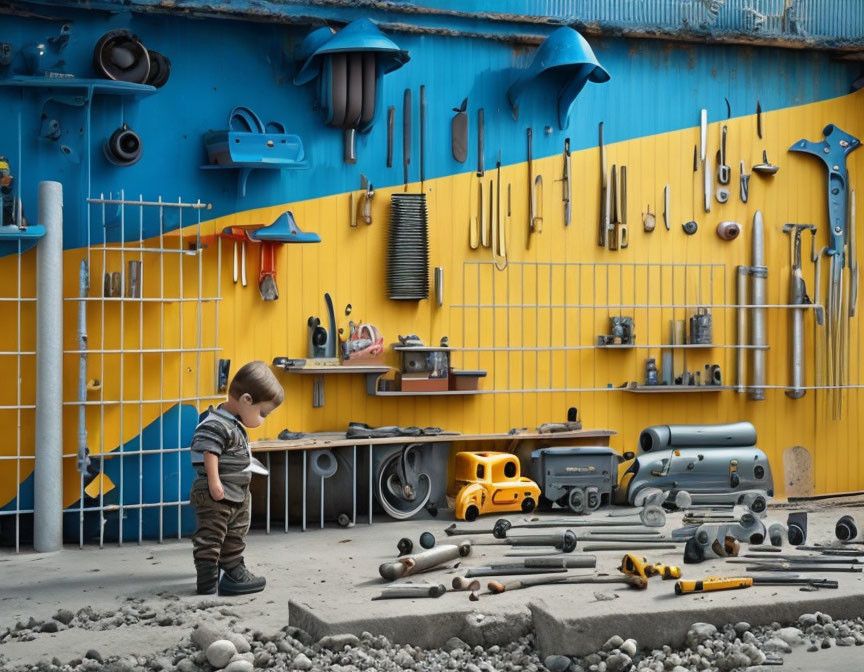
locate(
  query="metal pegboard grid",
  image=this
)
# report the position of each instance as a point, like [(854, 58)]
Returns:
[(170, 276), (588, 294), (21, 405)]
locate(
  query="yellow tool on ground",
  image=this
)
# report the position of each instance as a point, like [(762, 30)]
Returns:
[(635, 565), (713, 583)]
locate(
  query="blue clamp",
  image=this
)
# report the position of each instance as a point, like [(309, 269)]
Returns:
[(833, 150)]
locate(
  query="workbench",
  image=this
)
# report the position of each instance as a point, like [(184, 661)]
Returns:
[(329, 440)]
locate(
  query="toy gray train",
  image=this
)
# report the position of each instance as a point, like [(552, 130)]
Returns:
[(715, 464)]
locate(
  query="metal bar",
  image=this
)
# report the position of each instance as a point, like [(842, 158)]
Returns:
[(303, 495), (148, 250), (139, 299), (285, 453), (48, 469), (353, 486), (141, 370), (159, 204), (322, 503), (371, 449), (268, 492), (110, 402), (122, 393), (152, 351)]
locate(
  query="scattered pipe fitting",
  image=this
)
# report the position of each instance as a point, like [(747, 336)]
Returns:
[(412, 564), (846, 529), (728, 230)]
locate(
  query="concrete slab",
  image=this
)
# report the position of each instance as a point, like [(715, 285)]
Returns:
[(324, 581)]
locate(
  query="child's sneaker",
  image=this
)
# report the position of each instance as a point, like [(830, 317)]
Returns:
[(240, 581), (208, 577)]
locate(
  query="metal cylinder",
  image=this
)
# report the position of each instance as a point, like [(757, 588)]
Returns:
[(83, 286), (564, 540), (664, 437), (48, 468), (411, 564), (741, 340), (757, 321), (796, 349)]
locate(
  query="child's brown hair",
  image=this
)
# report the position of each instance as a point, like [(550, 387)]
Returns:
[(257, 380)]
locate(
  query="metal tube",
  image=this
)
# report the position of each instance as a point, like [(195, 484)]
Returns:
[(412, 564), (48, 467), (757, 321), (741, 355), (83, 286)]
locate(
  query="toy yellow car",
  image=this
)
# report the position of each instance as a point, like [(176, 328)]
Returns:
[(491, 482)]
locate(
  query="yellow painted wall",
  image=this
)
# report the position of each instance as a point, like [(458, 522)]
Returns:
[(350, 264)]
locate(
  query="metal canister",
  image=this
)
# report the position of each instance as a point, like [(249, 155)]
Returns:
[(700, 328), (650, 371)]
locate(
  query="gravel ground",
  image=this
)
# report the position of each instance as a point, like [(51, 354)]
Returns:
[(213, 647)]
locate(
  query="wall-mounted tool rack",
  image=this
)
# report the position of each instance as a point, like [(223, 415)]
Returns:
[(132, 346)]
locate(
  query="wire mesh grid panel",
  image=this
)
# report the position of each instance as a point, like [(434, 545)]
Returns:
[(572, 327), (141, 360), (18, 394)]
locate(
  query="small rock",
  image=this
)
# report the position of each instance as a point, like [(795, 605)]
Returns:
[(629, 647), (741, 627), (93, 654), (187, 665), (220, 653), (735, 660), (239, 641), (613, 643), (846, 641), (49, 626), (162, 663), (204, 635), (240, 666), (678, 668), (824, 618), (813, 647), (248, 656), (64, 616), (301, 662), (617, 662), (338, 642), (776, 645), (164, 619), (263, 659), (698, 633), (826, 643), (404, 659), (557, 663), (790, 635), (806, 620), (592, 659), (455, 643)]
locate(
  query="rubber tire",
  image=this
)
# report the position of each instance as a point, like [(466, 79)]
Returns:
[(471, 513), (528, 505)]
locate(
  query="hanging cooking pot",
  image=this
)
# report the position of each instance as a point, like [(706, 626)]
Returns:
[(160, 69), (123, 148), (120, 56)]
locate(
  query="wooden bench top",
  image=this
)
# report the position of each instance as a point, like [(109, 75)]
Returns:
[(337, 439)]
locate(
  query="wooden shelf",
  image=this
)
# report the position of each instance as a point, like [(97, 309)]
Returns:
[(419, 348), (441, 393), (372, 373), (337, 369), (673, 389)]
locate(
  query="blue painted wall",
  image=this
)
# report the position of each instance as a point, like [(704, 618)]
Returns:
[(218, 64)]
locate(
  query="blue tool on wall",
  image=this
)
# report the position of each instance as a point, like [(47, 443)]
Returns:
[(564, 61), (833, 150), (248, 144), (348, 65)]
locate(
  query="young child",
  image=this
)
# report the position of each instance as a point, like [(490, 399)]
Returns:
[(220, 495)]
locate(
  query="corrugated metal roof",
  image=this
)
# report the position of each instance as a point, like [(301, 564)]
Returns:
[(818, 24)]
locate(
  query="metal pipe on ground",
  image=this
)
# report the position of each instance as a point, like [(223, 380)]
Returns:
[(412, 564), (496, 587), (48, 465)]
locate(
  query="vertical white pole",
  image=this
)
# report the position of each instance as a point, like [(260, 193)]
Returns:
[(48, 475)]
